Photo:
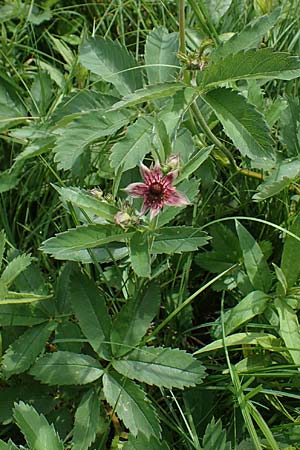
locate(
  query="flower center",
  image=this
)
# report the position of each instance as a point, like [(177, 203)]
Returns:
[(156, 191)]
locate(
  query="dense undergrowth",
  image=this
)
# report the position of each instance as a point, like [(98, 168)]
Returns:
[(149, 198)]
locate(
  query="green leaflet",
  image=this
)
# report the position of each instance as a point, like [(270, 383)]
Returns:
[(249, 37), (87, 202), (10, 106), (171, 240), (140, 254), (249, 307), (21, 315), (131, 405), (112, 62), (66, 368), (14, 268), (23, 351), (289, 328), (160, 53), (258, 64), (90, 309), (132, 322), (66, 245), (162, 367), (214, 437), (194, 163), (131, 150), (87, 418), (290, 261), (75, 138), (254, 260), (243, 124), (141, 442), (38, 433)]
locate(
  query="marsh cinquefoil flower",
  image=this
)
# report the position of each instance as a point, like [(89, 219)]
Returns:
[(157, 190)]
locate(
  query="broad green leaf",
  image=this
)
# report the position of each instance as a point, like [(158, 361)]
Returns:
[(38, 433), (22, 353), (139, 254), (82, 199), (132, 322), (290, 261), (194, 163), (268, 341), (90, 309), (171, 240), (161, 366), (289, 328), (249, 37), (11, 106), (147, 94), (36, 148), (289, 126), (216, 10), (254, 260), (249, 307), (66, 368), (214, 437), (112, 62), (14, 268), (131, 405), (86, 421), (263, 64), (131, 150), (8, 180), (21, 315), (160, 53), (243, 124), (76, 137), (279, 179), (63, 245), (141, 442)]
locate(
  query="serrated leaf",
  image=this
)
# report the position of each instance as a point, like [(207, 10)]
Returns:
[(131, 405), (66, 368), (289, 126), (8, 445), (132, 149), (214, 437), (194, 163), (249, 37), (160, 53), (140, 254), (254, 260), (249, 307), (112, 62), (161, 366), (171, 240), (37, 431), (148, 94), (65, 245), (90, 309), (132, 322), (87, 202), (11, 106), (258, 64), (21, 315), (242, 123), (79, 134), (279, 179), (14, 268), (290, 261), (23, 351), (86, 421), (141, 442), (289, 328)]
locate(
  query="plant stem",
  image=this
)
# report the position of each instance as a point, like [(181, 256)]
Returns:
[(182, 46)]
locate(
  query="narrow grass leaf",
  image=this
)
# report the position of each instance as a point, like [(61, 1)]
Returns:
[(171, 240), (132, 322), (131, 150), (141, 442), (243, 124), (262, 64), (254, 260), (249, 37), (87, 418), (194, 163), (140, 254), (90, 309), (112, 62), (289, 328), (160, 52), (2, 246), (66, 368), (161, 366), (131, 405), (14, 298), (290, 261), (22, 353), (36, 429)]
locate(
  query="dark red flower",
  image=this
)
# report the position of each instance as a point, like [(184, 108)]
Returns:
[(157, 190)]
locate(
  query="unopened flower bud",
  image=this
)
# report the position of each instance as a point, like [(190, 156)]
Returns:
[(122, 218), (173, 162)]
